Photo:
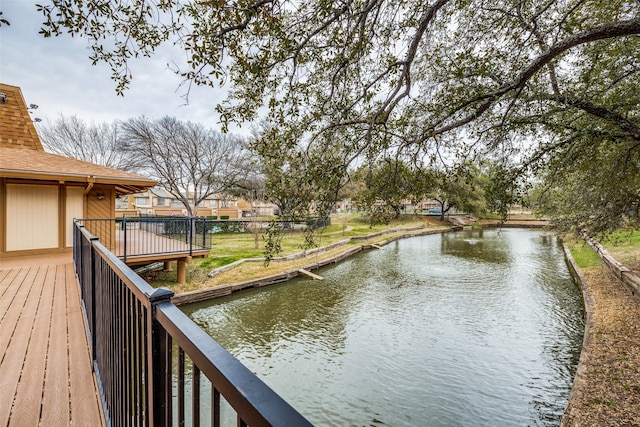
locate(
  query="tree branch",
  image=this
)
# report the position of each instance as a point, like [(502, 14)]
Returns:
[(633, 129), (617, 29)]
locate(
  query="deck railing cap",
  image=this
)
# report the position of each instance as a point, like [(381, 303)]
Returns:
[(160, 294)]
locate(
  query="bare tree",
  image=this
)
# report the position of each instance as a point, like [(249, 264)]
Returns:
[(189, 160), (96, 142)]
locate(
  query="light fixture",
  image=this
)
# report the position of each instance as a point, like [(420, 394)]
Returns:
[(3, 97), (30, 109), (100, 196)]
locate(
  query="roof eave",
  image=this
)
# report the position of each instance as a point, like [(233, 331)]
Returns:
[(123, 185)]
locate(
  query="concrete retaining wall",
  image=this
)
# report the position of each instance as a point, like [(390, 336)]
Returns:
[(228, 289)]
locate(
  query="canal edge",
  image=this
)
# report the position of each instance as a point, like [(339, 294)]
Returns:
[(228, 289), (588, 301)]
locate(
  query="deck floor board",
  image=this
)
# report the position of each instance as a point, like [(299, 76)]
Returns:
[(55, 401), (13, 297), (81, 381), (29, 392), (15, 333), (45, 366)]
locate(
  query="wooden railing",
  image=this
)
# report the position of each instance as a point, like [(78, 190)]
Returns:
[(154, 365)]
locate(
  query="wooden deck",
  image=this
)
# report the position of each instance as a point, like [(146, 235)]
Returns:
[(45, 367), (144, 247)]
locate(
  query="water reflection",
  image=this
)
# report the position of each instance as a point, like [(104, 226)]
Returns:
[(472, 328), (271, 321)]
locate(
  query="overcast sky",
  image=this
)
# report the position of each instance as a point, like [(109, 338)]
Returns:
[(56, 74)]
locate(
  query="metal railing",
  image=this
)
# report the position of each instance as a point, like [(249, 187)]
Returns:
[(128, 237), (213, 226), (154, 365)]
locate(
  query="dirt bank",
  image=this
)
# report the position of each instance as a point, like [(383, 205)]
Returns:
[(606, 390)]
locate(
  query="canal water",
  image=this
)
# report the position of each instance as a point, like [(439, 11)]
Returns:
[(474, 328)]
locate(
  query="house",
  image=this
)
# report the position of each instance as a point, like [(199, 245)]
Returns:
[(345, 205), (153, 201), (41, 193), (222, 205), (158, 201)]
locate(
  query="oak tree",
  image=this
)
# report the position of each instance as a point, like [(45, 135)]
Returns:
[(522, 80)]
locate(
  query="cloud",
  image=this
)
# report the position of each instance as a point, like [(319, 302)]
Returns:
[(57, 75)]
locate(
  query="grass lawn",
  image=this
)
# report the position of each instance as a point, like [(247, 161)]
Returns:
[(583, 254), (228, 248), (624, 245)]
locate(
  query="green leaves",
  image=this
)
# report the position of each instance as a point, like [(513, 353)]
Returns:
[(347, 82), (273, 241)]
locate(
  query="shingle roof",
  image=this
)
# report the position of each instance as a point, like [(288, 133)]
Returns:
[(16, 126), (22, 155), (32, 164)]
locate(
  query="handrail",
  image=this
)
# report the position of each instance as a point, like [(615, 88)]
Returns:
[(231, 378), (134, 329), (130, 237)]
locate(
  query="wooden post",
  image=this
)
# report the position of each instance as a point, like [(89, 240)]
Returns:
[(159, 357), (167, 266), (182, 269)]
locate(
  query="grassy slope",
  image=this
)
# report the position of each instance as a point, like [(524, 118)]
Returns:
[(624, 246), (228, 248)]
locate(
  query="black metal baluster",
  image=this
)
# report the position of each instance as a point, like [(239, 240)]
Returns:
[(215, 406), (180, 387), (158, 362), (124, 247), (195, 397)]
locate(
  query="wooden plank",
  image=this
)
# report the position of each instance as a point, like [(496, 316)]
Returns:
[(16, 343), (4, 273), (55, 402), (12, 307), (42, 309), (172, 256), (8, 288), (201, 295), (85, 408), (29, 392), (310, 274)]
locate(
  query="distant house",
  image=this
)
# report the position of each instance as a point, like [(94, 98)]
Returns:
[(345, 205), (158, 201), (264, 208), (41, 193), (153, 201), (221, 205)]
